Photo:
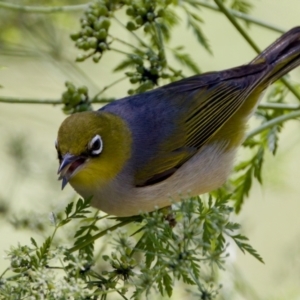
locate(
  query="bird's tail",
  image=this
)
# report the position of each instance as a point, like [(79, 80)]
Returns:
[(282, 56)]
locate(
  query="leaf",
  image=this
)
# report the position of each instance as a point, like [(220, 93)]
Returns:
[(186, 60), (124, 64), (167, 281), (33, 242), (69, 208), (239, 240), (199, 34)]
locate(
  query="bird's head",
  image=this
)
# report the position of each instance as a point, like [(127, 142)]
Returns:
[(92, 149)]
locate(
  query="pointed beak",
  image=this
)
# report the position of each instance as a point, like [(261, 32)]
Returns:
[(70, 164)]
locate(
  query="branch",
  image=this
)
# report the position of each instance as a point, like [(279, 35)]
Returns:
[(43, 9), (99, 235), (280, 106), (242, 16), (250, 41), (273, 122), (42, 101)]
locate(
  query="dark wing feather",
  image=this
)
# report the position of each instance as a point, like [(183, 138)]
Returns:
[(208, 109), (170, 124)]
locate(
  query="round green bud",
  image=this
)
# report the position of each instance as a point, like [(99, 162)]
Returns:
[(130, 26), (105, 23), (92, 41), (87, 31), (97, 25), (137, 59), (140, 69), (131, 92), (103, 10), (83, 90), (150, 16), (134, 80), (130, 11), (85, 46), (80, 57), (160, 13), (65, 97), (105, 257), (96, 59), (142, 11), (84, 107), (75, 36), (96, 12), (84, 22), (139, 20), (147, 27), (75, 99), (102, 34), (91, 18), (102, 46), (70, 86)]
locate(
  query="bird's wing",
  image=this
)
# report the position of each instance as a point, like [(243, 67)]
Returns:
[(204, 106)]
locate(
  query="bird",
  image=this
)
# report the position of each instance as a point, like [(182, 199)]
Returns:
[(149, 150)]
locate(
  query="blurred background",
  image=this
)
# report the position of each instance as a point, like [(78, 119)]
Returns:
[(37, 57)]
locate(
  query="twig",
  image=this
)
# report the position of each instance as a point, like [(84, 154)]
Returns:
[(99, 235), (280, 106), (42, 101), (273, 122), (250, 41), (43, 9), (241, 16)]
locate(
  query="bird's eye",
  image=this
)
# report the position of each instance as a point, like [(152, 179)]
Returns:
[(95, 145)]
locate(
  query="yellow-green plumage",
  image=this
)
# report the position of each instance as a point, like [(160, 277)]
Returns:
[(179, 139)]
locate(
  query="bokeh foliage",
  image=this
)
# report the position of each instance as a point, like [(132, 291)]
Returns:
[(154, 252)]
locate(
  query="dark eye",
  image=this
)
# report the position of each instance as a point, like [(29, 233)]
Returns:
[(95, 145)]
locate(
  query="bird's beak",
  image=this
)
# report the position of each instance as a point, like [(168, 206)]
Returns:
[(70, 165)]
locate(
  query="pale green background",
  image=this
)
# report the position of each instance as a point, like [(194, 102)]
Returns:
[(270, 216)]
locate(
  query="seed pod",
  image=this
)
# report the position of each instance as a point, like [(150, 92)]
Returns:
[(105, 23), (130, 26)]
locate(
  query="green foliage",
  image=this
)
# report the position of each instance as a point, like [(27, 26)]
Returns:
[(267, 140), (75, 99), (148, 58), (167, 247), (156, 251)]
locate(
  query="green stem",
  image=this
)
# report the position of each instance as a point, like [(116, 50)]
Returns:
[(273, 122), (44, 101), (43, 9), (99, 235), (160, 40), (107, 87), (241, 16), (230, 17), (280, 106)]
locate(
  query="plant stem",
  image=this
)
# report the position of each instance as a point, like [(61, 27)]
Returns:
[(273, 122), (107, 87), (99, 235), (250, 41), (43, 9), (280, 106), (44, 101), (241, 16)]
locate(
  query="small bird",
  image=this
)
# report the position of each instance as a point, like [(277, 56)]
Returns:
[(148, 150)]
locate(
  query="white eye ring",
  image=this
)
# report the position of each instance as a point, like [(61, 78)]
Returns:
[(96, 145)]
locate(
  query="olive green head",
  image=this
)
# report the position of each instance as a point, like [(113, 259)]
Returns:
[(92, 148)]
